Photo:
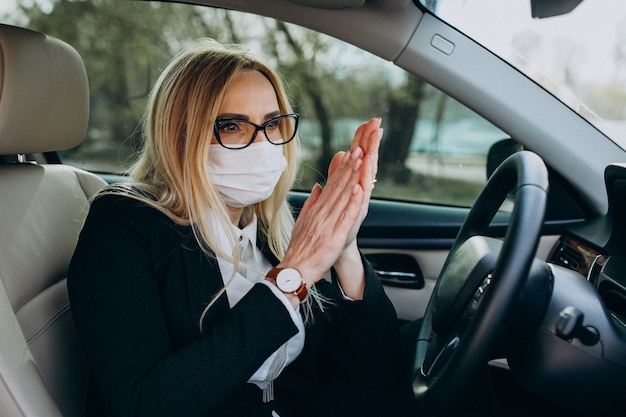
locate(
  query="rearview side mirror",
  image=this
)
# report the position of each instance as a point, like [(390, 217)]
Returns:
[(549, 8), (499, 151)]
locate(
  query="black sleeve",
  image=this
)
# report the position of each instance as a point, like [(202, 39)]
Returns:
[(369, 334), (353, 357), (118, 309)]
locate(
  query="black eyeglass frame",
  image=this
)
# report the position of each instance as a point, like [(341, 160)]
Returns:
[(257, 128)]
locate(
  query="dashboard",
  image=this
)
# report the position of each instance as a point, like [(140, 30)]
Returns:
[(597, 249), (582, 336)]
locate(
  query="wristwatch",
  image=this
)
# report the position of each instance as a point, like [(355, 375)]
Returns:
[(289, 281)]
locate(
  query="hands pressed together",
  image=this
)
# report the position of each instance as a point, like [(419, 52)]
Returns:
[(325, 232)]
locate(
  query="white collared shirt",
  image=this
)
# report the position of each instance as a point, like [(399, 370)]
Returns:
[(239, 285)]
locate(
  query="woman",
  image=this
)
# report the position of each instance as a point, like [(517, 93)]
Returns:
[(192, 288)]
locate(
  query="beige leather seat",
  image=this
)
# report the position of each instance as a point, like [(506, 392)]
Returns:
[(44, 106)]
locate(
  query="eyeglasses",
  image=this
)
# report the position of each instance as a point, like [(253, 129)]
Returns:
[(239, 133)]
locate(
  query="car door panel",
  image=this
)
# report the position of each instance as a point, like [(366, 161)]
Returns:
[(408, 243)]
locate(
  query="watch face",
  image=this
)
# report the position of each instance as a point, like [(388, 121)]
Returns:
[(288, 280)]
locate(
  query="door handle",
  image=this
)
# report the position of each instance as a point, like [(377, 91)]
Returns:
[(397, 270)]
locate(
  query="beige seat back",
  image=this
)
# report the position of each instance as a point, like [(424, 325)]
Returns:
[(44, 106)]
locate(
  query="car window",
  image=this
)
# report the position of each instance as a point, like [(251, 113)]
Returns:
[(433, 151), (582, 68)]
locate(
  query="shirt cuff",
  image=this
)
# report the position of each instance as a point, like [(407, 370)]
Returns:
[(343, 294), (295, 315)]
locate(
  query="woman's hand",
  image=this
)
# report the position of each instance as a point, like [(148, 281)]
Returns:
[(349, 266), (327, 219), (325, 232)]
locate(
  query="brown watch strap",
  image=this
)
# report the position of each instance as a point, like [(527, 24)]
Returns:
[(301, 292), (273, 273)]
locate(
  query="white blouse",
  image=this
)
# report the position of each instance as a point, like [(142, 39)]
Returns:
[(242, 282)]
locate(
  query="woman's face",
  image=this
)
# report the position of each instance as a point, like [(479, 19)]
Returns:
[(250, 97)]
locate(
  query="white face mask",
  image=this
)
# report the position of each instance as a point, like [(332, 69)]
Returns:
[(246, 176)]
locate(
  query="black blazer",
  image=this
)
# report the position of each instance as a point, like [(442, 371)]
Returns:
[(138, 283)]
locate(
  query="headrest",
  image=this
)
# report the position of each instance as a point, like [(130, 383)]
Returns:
[(44, 93)]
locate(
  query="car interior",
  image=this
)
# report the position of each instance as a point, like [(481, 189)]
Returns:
[(565, 368), (43, 108)]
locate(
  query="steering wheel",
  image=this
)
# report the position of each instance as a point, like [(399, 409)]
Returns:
[(479, 282)]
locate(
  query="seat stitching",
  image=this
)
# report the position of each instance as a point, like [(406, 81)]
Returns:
[(41, 330)]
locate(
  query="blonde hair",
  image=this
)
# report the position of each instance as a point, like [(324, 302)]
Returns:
[(171, 173)]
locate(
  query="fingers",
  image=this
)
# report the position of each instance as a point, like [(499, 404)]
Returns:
[(372, 151), (349, 215), (344, 175), (315, 193), (364, 135), (343, 181), (367, 138), (331, 201), (367, 177), (334, 163)]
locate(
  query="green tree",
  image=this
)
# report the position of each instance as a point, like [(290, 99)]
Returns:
[(404, 104), (299, 61), (123, 55)]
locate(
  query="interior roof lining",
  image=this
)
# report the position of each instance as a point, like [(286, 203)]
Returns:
[(385, 38)]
